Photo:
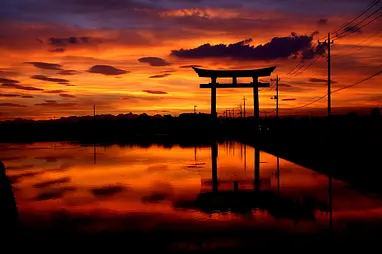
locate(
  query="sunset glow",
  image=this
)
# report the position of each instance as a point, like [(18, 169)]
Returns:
[(59, 58)]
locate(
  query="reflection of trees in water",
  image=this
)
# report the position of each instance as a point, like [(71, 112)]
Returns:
[(8, 208)]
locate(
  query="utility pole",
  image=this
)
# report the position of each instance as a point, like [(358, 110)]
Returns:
[(195, 109), (329, 78), (328, 43), (94, 112), (233, 113), (277, 95), (241, 111), (244, 99)]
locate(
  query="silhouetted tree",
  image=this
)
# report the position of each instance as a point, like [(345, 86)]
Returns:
[(375, 113)]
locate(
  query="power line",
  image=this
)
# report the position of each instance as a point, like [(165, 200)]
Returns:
[(359, 46), (359, 82), (335, 91), (339, 36), (307, 104), (307, 67), (355, 18), (296, 70)]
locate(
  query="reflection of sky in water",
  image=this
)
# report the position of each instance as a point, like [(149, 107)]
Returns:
[(134, 184)]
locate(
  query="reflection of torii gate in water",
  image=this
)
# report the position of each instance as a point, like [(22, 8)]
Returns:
[(244, 201), (215, 181), (234, 74)]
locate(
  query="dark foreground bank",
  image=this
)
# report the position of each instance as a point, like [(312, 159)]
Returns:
[(348, 147)]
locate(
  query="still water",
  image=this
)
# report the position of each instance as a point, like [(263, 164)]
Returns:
[(178, 190)]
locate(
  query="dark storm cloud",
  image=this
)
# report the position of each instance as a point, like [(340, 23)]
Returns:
[(57, 50), (106, 70), (55, 91), (289, 99), (45, 78), (50, 101), (154, 92), (63, 42), (8, 81), (28, 88), (67, 95), (8, 104), (27, 96), (160, 75), (9, 95), (318, 80), (322, 21), (154, 61), (45, 66), (67, 72), (278, 47)]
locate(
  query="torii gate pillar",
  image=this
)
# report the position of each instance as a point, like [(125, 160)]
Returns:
[(256, 107), (213, 97)]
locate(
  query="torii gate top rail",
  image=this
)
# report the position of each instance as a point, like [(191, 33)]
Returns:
[(234, 74), (203, 73)]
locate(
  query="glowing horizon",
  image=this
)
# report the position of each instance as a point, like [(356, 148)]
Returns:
[(127, 58)]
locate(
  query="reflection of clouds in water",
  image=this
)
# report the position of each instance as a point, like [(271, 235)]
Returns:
[(55, 158), (155, 197), (109, 190), (194, 165), (61, 168), (15, 178), (52, 182), (160, 192), (22, 147), (55, 193), (25, 166), (158, 168), (11, 158)]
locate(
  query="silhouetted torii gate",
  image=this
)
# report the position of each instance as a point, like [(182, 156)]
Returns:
[(234, 74)]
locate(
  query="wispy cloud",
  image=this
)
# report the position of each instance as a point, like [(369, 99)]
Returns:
[(106, 70), (67, 95), (45, 78), (9, 104), (28, 88), (154, 61), (45, 66), (160, 75), (154, 92)]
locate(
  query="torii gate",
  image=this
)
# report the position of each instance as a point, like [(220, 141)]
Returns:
[(234, 74)]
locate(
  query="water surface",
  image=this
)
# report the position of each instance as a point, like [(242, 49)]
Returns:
[(65, 187)]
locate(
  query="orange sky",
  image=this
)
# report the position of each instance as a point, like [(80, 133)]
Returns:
[(116, 37)]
